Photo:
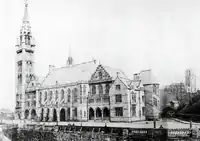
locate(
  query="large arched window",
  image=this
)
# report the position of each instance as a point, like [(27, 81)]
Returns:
[(68, 95), (107, 88), (100, 89), (93, 89), (62, 95), (75, 94), (50, 95)]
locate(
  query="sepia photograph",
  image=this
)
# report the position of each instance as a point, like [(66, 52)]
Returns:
[(100, 70)]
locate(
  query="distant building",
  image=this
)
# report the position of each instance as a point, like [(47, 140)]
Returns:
[(190, 81), (151, 93)]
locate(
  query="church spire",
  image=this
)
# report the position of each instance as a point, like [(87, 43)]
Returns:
[(26, 18), (70, 59)]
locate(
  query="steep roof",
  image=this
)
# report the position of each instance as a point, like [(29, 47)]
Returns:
[(113, 72), (75, 73), (147, 77)]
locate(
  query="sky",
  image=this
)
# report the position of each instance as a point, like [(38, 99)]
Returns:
[(161, 35)]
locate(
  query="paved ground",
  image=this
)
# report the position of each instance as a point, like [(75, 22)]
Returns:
[(143, 124)]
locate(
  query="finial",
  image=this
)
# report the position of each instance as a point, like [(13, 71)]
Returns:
[(25, 18), (118, 74), (26, 3)]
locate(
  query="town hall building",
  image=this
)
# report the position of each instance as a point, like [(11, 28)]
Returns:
[(78, 92)]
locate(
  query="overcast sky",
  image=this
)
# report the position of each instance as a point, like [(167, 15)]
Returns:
[(162, 35)]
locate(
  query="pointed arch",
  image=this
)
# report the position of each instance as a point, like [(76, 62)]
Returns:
[(62, 95), (100, 89), (45, 96), (50, 95), (98, 113), (47, 115), (54, 115), (33, 114), (26, 114), (93, 89), (41, 114), (107, 88), (91, 114), (106, 113), (62, 114)]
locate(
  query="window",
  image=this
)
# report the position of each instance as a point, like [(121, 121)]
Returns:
[(118, 111), (75, 95), (62, 95), (84, 90), (107, 88), (50, 95), (155, 102), (143, 100), (45, 96), (84, 113), (117, 87), (154, 88), (100, 75), (34, 103), (93, 89), (80, 90), (143, 112), (56, 96), (68, 97), (133, 110), (81, 113), (134, 97), (100, 89), (118, 98)]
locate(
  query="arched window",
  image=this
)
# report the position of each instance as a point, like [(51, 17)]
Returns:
[(107, 88), (68, 95), (62, 94), (93, 89), (84, 90), (100, 75), (50, 95), (100, 89), (75, 94), (45, 96), (56, 96), (80, 90)]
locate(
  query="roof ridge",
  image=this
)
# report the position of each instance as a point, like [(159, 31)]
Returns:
[(73, 65)]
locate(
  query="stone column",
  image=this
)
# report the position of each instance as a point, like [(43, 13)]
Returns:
[(44, 114), (66, 114), (50, 114), (95, 115), (102, 114), (58, 114)]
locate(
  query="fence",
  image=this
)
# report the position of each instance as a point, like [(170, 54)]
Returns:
[(71, 132)]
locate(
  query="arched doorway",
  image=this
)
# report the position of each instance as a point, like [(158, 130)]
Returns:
[(42, 113), (33, 114), (54, 115), (47, 115), (62, 114), (106, 113), (91, 114), (98, 113), (26, 114)]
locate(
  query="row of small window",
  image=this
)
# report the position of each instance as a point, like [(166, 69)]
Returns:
[(28, 103), (100, 88), (119, 111), (118, 98), (74, 94)]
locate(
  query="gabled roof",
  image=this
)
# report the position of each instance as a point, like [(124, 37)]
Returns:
[(113, 72), (75, 73)]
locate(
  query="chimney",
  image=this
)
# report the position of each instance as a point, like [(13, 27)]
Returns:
[(136, 76), (51, 67)]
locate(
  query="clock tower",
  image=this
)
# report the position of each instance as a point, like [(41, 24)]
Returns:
[(24, 63)]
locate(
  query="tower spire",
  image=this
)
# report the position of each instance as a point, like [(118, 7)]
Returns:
[(26, 18), (70, 59)]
